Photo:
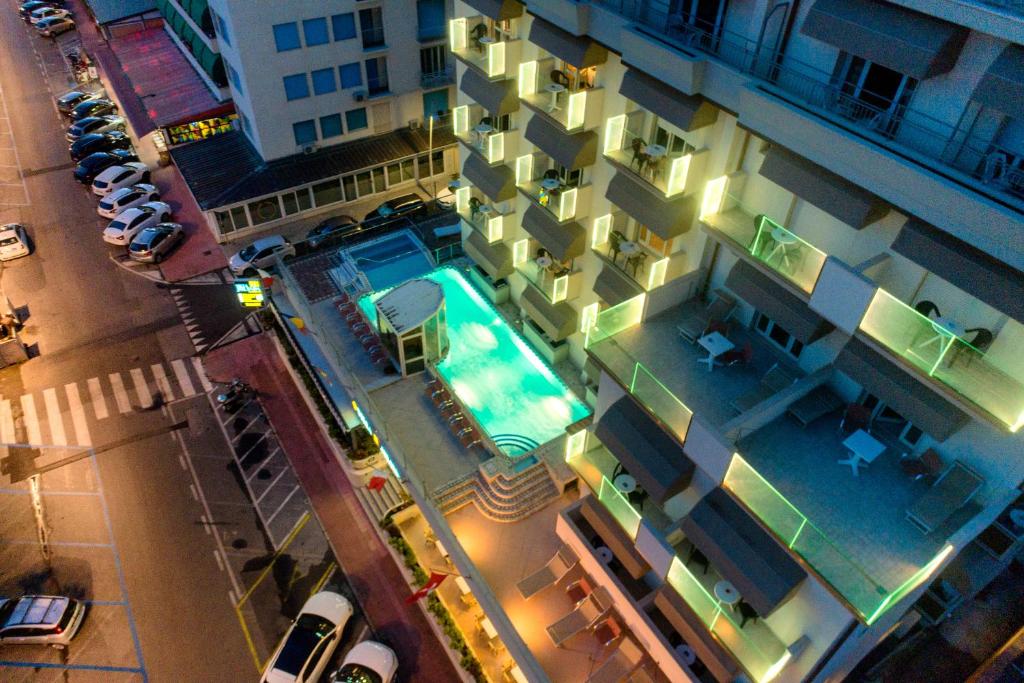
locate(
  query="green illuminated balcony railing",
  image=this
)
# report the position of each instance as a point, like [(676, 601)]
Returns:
[(786, 254), (631, 373), (620, 508), (945, 357)]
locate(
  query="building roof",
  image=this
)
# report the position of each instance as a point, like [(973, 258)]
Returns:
[(107, 11), (410, 304), (226, 169)]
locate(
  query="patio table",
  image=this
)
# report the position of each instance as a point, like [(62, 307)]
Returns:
[(554, 89), (783, 241), (686, 654), (863, 448), (604, 554), (727, 593), (715, 344), (625, 483), (944, 327), (551, 183)]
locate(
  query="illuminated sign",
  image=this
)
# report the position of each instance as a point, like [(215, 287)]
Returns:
[(249, 292)]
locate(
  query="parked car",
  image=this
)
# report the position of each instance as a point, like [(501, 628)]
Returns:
[(94, 164), (71, 99), (127, 198), (54, 26), (40, 619), (310, 641), (123, 229), (153, 244), (28, 8), (13, 242), (367, 662), (97, 107), (335, 225), (407, 205), (47, 12), (260, 254), (99, 142), (116, 177), (95, 124)]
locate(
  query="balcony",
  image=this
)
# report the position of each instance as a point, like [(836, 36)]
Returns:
[(536, 179), (435, 79), (474, 128), (489, 219), (556, 281), (572, 102), (669, 171), (647, 268), (475, 41)]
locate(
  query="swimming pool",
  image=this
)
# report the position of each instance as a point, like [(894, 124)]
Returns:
[(511, 391), (390, 260)]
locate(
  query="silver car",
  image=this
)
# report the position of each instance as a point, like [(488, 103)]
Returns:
[(153, 244), (40, 619)]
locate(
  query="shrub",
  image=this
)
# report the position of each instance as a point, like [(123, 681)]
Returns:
[(364, 444)]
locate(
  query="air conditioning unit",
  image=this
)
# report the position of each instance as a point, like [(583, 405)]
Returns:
[(415, 124), (308, 149), (359, 95)]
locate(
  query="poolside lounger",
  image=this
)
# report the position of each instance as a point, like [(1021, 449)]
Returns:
[(774, 381), (620, 664), (548, 575), (818, 403), (587, 613), (950, 492)]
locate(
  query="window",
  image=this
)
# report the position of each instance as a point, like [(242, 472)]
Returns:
[(706, 16), (330, 126), (315, 31), (371, 25), (344, 26), (377, 75), (294, 202), (873, 94), (229, 221), (364, 183), (435, 103), (296, 87), (433, 60), (431, 19), (378, 179), (222, 28), (236, 80), (780, 337), (349, 184), (305, 132), (328, 192), (323, 81), (286, 37), (351, 75), (246, 126), (355, 119), (265, 210)]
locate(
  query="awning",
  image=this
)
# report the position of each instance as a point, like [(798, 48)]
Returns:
[(1002, 86), (497, 9), (572, 150), (964, 266), (690, 626), (495, 259), (688, 112), (667, 218), (614, 537), (579, 51), (898, 387), (746, 555), (614, 286), (787, 310), (910, 42), (497, 182), (564, 240), (497, 97), (831, 193), (557, 320), (655, 459)]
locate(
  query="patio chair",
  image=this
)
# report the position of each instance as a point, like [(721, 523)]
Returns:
[(981, 340), (700, 558), (741, 356), (615, 240), (950, 492), (774, 381), (578, 589), (928, 464), (693, 325), (855, 417), (638, 146), (819, 402), (747, 613), (927, 309), (548, 575), (607, 632), (626, 658), (559, 77), (584, 616)]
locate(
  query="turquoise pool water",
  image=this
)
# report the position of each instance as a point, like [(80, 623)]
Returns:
[(511, 391), (390, 260)]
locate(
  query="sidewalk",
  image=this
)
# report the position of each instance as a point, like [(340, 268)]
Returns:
[(362, 554)]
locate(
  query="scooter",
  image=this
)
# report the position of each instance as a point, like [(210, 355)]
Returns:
[(235, 394)]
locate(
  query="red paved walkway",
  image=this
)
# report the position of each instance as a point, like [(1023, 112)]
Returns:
[(378, 583)]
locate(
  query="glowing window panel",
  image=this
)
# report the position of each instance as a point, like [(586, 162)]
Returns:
[(567, 204), (462, 199), (588, 316), (614, 130), (495, 59), (520, 252), (560, 290), (602, 228), (494, 229), (527, 79), (457, 34), (576, 111), (714, 195), (496, 147), (460, 119), (677, 175), (656, 276), (524, 169)]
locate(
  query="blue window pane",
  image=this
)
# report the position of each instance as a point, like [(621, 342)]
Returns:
[(234, 77), (344, 26), (296, 87), (351, 75), (222, 29), (435, 103), (305, 132), (330, 126), (355, 119), (286, 37), (315, 31), (323, 81)]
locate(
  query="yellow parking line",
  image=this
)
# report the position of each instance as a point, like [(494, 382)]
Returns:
[(248, 640), (323, 579), (298, 527)]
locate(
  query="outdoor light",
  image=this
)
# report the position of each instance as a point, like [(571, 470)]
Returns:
[(524, 169), (495, 59), (677, 175), (460, 119), (714, 196), (576, 110), (602, 228), (457, 34), (614, 130), (527, 79)]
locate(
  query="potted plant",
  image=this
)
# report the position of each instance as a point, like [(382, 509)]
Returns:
[(364, 449)]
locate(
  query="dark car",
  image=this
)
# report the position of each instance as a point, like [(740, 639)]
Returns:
[(94, 164), (70, 100), (409, 205), (99, 142), (28, 8), (95, 124), (329, 227), (92, 108)]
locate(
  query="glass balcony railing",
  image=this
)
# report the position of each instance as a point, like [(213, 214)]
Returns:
[(473, 126), (667, 170), (553, 283), (568, 105), (631, 373), (620, 508), (946, 358), (472, 41), (487, 219)]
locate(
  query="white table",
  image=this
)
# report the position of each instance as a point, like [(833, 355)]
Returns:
[(482, 130), (484, 210), (784, 239), (863, 448), (543, 262), (625, 483), (554, 89), (488, 628), (655, 151), (686, 653), (629, 248), (727, 593), (551, 183), (715, 344), (604, 554), (943, 328)]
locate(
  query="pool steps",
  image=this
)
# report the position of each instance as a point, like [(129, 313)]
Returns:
[(503, 497)]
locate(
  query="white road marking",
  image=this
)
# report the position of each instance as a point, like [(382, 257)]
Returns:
[(232, 598), (53, 417), (181, 374), (161, 381), (7, 433), (192, 488), (181, 461), (220, 562), (198, 365), (28, 414), (82, 436), (124, 405), (99, 404), (141, 390), (14, 147)]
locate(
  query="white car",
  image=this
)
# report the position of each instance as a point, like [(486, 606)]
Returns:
[(310, 641), (260, 254), (127, 198), (54, 26), (116, 177), (13, 242), (47, 12), (40, 620), (367, 662), (131, 222)]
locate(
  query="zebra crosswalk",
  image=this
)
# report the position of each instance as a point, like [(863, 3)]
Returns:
[(188, 317), (61, 416)]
